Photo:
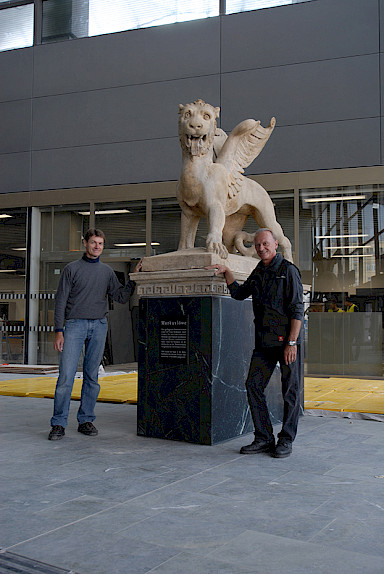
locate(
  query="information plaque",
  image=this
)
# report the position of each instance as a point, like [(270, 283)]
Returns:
[(174, 340)]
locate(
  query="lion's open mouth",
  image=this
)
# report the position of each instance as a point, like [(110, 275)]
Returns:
[(196, 144)]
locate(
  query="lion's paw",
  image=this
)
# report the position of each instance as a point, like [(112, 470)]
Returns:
[(219, 248)]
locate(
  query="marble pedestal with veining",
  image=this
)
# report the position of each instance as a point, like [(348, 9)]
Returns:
[(201, 399)]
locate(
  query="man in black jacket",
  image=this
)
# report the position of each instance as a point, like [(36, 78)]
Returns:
[(277, 296)]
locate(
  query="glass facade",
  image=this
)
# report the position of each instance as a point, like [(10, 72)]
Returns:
[(283, 202), (233, 6), (165, 223), (124, 225), (107, 17), (69, 19), (337, 239), (57, 240), (16, 27), (60, 241), (341, 238), (13, 226)]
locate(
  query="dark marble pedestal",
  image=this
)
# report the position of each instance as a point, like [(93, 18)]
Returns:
[(194, 354)]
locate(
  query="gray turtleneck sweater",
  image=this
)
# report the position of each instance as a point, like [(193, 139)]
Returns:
[(83, 289)]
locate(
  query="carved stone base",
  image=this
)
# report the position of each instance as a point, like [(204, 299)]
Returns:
[(183, 273)]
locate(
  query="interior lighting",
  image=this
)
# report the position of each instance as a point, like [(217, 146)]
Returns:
[(134, 244), (105, 212), (7, 270), (4, 215), (350, 247), (341, 198), (340, 236), (361, 255), (19, 249)]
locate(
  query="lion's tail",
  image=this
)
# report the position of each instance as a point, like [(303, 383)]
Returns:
[(240, 238)]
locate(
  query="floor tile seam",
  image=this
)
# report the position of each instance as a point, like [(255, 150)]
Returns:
[(198, 557), (214, 485), (373, 504), (117, 505), (340, 546), (340, 515), (68, 524), (361, 482), (224, 544), (75, 477), (344, 466), (216, 544), (199, 473), (137, 522), (311, 538), (356, 483), (177, 482), (164, 562), (61, 482), (301, 544), (76, 498)]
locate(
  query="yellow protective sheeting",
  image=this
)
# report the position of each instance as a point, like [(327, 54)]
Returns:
[(343, 394), (324, 393), (113, 388)]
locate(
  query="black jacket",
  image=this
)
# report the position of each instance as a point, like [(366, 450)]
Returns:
[(277, 297)]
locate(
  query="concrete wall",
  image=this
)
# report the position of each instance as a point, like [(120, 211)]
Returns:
[(103, 110)]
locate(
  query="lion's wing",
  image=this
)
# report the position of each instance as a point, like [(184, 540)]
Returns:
[(219, 141), (243, 145)]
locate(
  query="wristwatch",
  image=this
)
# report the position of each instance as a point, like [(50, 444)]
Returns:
[(291, 343)]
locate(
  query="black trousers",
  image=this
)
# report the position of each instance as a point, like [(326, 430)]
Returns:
[(262, 365)]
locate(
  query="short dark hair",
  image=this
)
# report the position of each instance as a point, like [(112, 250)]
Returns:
[(93, 231)]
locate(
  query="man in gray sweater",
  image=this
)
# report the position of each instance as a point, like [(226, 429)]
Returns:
[(81, 307)]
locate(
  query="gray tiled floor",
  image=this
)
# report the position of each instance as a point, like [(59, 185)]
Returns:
[(123, 504)]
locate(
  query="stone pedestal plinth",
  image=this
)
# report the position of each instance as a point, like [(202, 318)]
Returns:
[(195, 346), (184, 273)]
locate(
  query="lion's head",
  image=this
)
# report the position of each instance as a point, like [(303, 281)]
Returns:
[(197, 127)]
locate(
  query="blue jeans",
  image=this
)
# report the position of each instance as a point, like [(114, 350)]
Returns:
[(79, 332)]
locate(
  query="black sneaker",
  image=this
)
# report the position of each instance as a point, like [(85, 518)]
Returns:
[(258, 445), (283, 448), (57, 433), (88, 428)]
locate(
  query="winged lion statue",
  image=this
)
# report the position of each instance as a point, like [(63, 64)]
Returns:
[(212, 183)]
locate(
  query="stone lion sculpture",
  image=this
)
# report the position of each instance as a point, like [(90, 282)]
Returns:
[(212, 183)]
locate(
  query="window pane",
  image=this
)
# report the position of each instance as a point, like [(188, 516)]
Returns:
[(64, 20), (246, 5), (12, 284), (61, 241), (106, 17), (16, 27), (284, 205), (124, 226), (166, 214), (61, 231), (341, 252)]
